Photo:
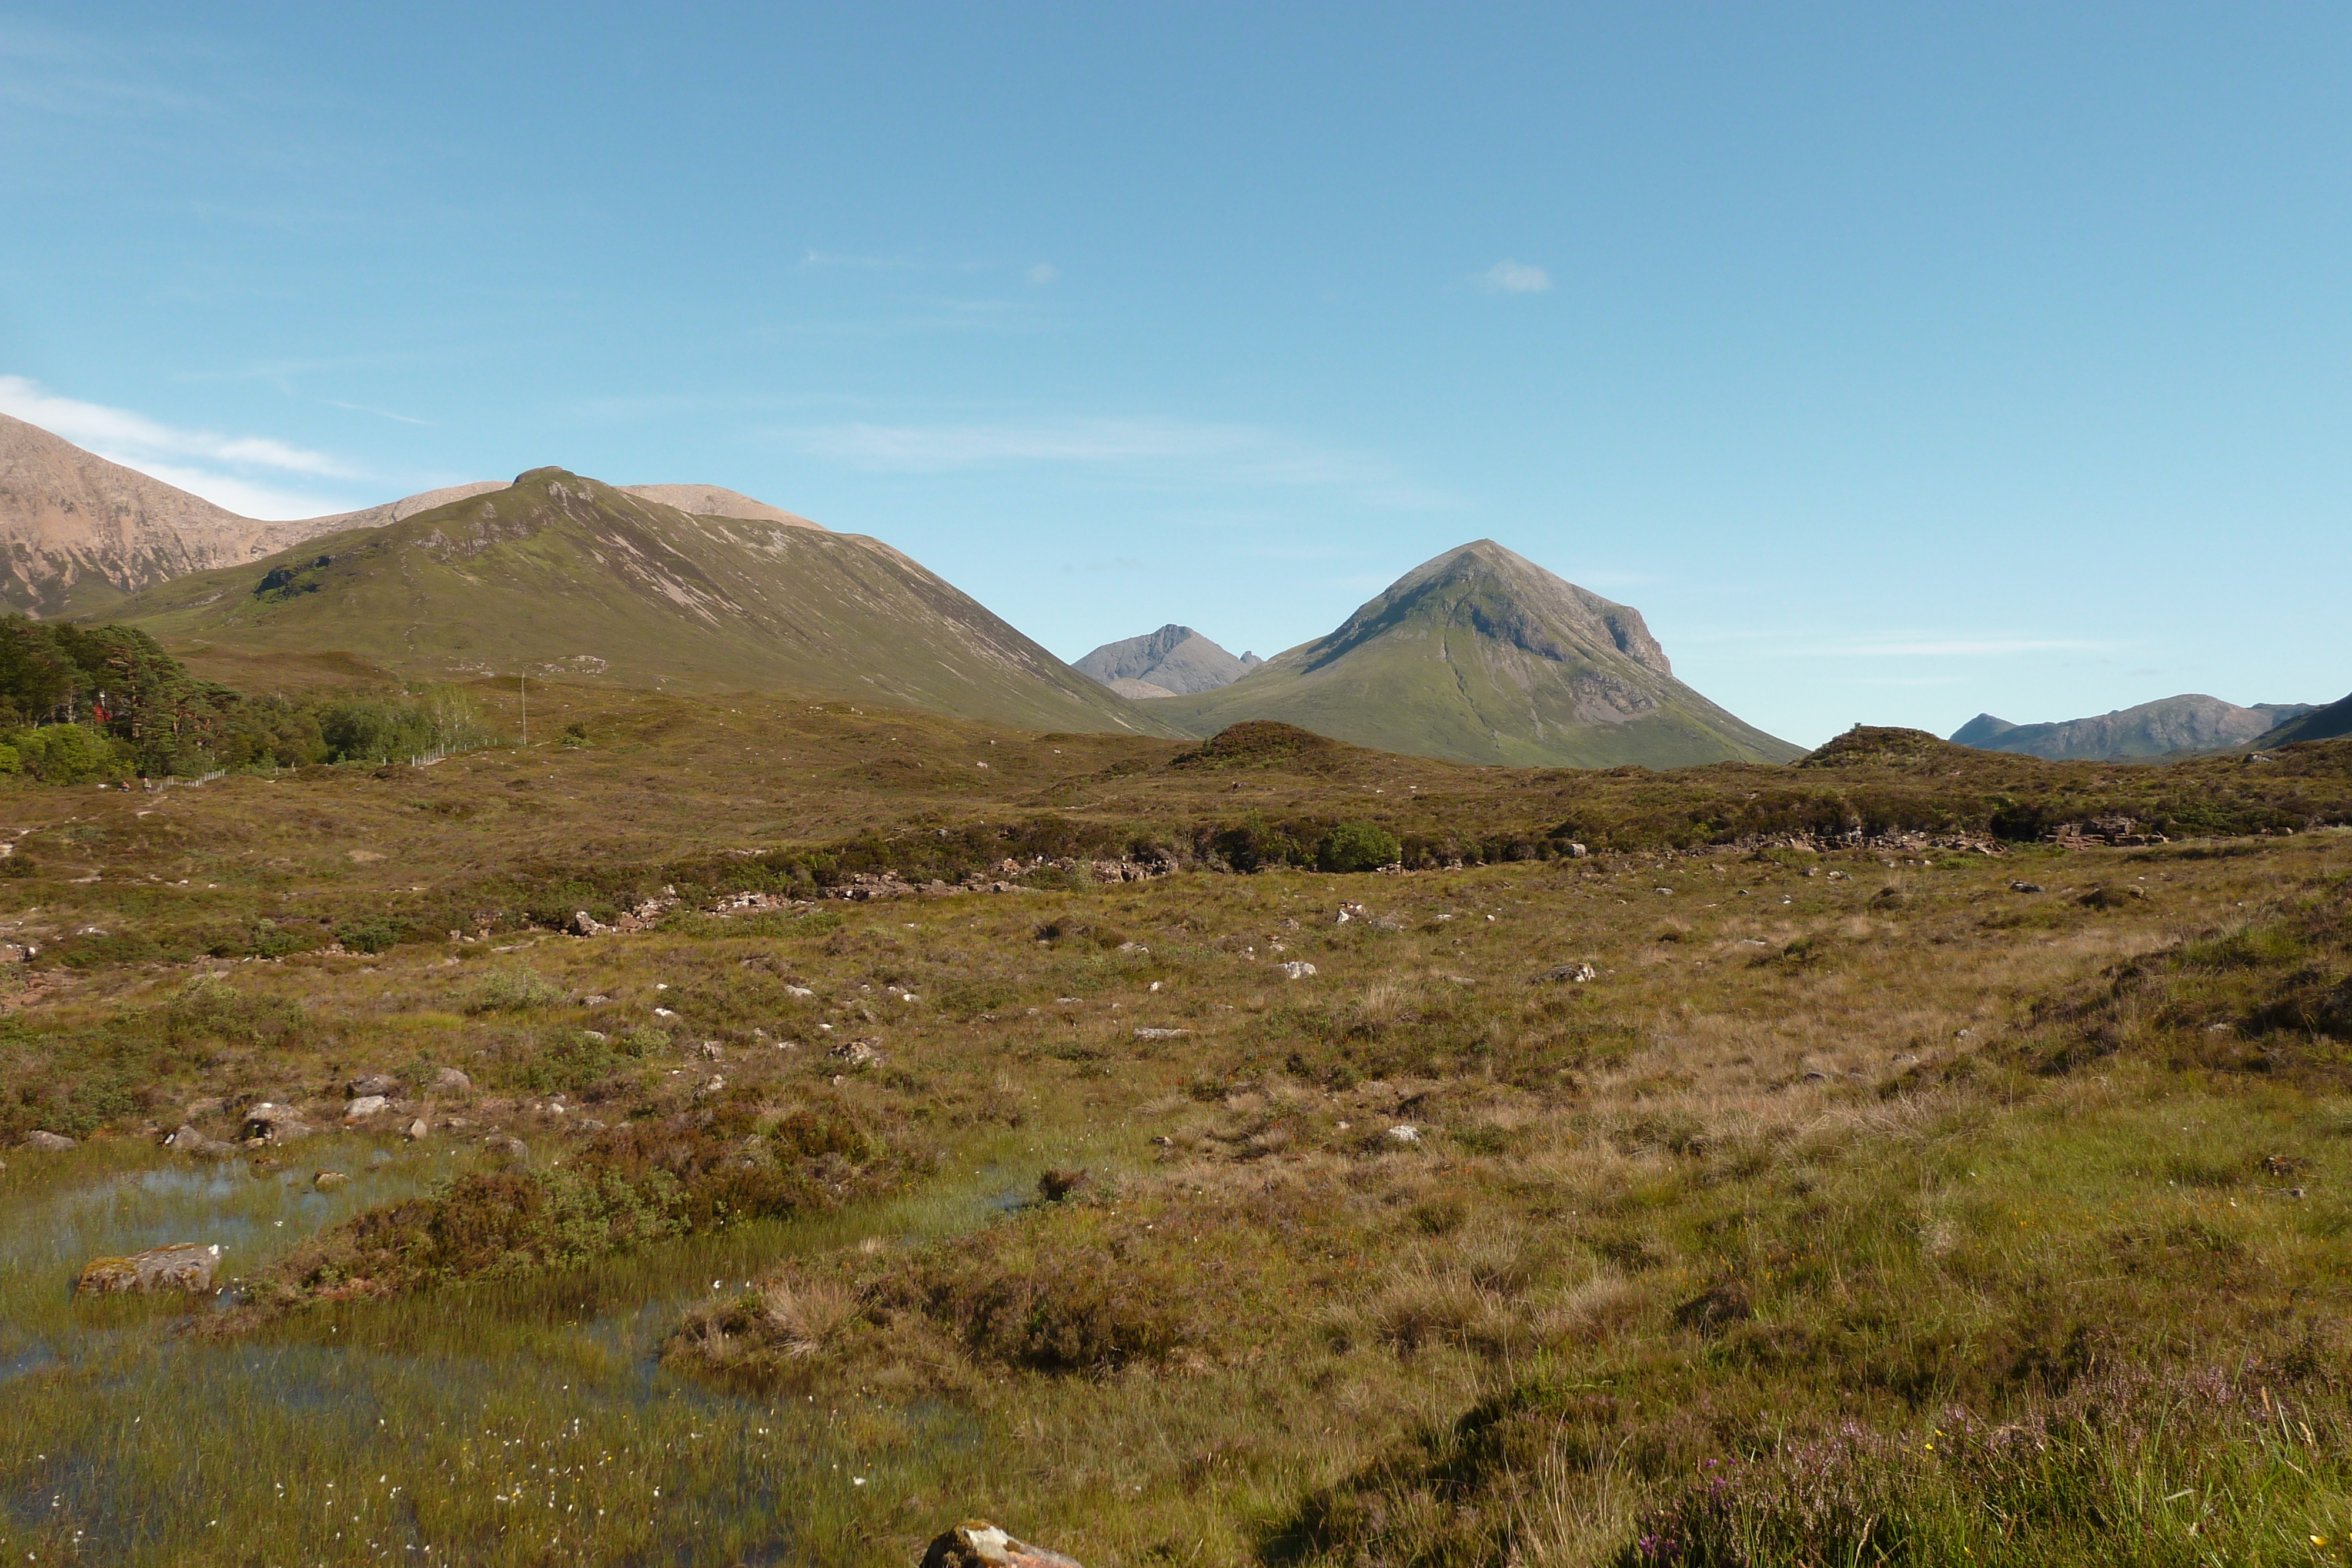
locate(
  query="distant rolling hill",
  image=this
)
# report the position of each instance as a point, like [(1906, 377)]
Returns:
[(558, 574), (1481, 656), (2193, 722)]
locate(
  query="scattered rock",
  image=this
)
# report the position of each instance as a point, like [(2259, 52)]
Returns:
[(856, 1053), (1133, 947), (583, 923), (382, 1083), (710, 1050), (1296, 969), (503, 1143), (597, 1000), (16, 952), (416, 1130), (366, 1105), (2112, 897), (2025, 887), (328, 1181), (56, 1143), (706, 1092), (1574, 974), (976, 1544), (1405, 1134), (181, 1266), (1385, 923), (271, 1123), (1577, 851), (1162, 1033), (798, 991), (449, 1080), (188, 1141)]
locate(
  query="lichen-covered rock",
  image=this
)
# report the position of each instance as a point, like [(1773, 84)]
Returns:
[(181, 1266), (977, 1543), (365, 1106), (328, 1181), (55, 1143)]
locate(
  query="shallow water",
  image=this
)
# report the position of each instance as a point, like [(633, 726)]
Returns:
[(528, 1421)]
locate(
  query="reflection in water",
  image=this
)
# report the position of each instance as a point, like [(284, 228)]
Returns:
[(549, 1388)]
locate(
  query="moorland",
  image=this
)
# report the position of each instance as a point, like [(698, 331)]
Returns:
[(1256, 1149)]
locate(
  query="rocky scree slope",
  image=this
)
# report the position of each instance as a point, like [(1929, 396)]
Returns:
[(559, 574), (1480, 656)]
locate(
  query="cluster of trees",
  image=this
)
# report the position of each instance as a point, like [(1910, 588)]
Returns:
[(79, 703)]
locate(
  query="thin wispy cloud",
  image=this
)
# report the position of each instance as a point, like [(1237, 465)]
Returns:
[(1041, 274), (379, 412), (1157, 449), (1508, 277), (246, 473)]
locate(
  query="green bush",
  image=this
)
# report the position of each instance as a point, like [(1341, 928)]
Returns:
[(1357, 847), (368, 935), (64, 753)]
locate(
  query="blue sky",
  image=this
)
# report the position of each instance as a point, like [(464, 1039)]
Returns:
[(1896, 362)]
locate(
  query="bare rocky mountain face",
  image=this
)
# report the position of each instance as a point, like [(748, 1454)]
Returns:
[(2192, 722), (78, 532), (1174, 661), (1481, 656)]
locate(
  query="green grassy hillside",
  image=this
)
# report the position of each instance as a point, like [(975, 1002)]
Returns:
[(561, 574), (1481, 656)]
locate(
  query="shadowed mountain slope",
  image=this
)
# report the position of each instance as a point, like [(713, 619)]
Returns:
[(2318, 723), (560, 574), (2193, 722), (1481, 656), (1174, 661)]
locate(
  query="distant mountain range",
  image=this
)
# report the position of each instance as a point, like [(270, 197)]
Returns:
[(1481, 656), (1171, 662), (2193, 722), (1477, 655)]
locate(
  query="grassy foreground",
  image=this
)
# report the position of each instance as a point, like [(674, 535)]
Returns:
[(1857, 1208)]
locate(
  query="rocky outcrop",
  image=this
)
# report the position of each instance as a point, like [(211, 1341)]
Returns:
[(182, 1266), (55, 1143), (977, 1543)]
